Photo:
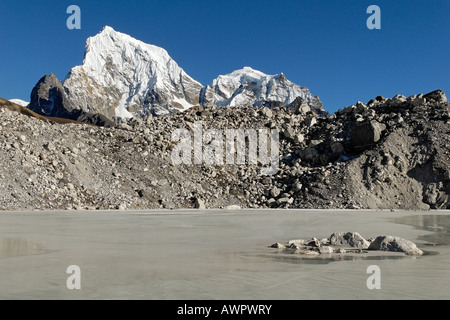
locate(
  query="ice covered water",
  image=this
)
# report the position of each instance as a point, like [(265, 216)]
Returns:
[(215, 254)]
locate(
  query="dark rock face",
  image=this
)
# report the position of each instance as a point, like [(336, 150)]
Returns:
[(437, 96), (48, 98)]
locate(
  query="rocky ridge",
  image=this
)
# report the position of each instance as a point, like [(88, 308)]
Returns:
[(399, 158)]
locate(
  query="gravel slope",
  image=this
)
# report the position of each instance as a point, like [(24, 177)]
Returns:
[(386, 154)]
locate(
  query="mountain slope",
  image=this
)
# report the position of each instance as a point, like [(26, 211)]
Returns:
[(406, 165)]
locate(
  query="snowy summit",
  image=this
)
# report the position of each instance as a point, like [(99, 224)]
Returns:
[(124, 77), (249, 86)]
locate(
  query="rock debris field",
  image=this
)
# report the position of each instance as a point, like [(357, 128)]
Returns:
[(388, 153)]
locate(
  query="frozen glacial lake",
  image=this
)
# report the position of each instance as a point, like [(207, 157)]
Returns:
[(215, 254)]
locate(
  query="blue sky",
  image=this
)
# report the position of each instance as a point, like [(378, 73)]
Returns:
[(321, 44)]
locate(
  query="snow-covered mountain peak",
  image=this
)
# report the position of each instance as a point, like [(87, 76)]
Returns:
[(250, 86), (109, 44), (247, 71), (122, 76), (242, 76)]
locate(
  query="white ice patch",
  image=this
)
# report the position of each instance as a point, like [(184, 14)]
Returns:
[(20, 102)]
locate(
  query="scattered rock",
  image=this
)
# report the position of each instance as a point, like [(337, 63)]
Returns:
[(400, 161), (348, 242)]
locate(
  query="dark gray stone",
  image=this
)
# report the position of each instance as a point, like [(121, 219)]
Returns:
[(367, 134)]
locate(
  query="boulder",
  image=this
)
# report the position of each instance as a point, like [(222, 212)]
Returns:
[(337, 147), (50, 146), (437, 95), (398, 100), (297, 186), (199, 204), (266, 112), (299, 138), (278, 246), (326, 250), (416, 100), (289, 132), (300, 106), (275, 192), (348, 110), (431, 194), (297, 243), (360, 107), (311, 122), (313, 243), (309, 153), (395, 244), (367, 134), (351, 239)]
